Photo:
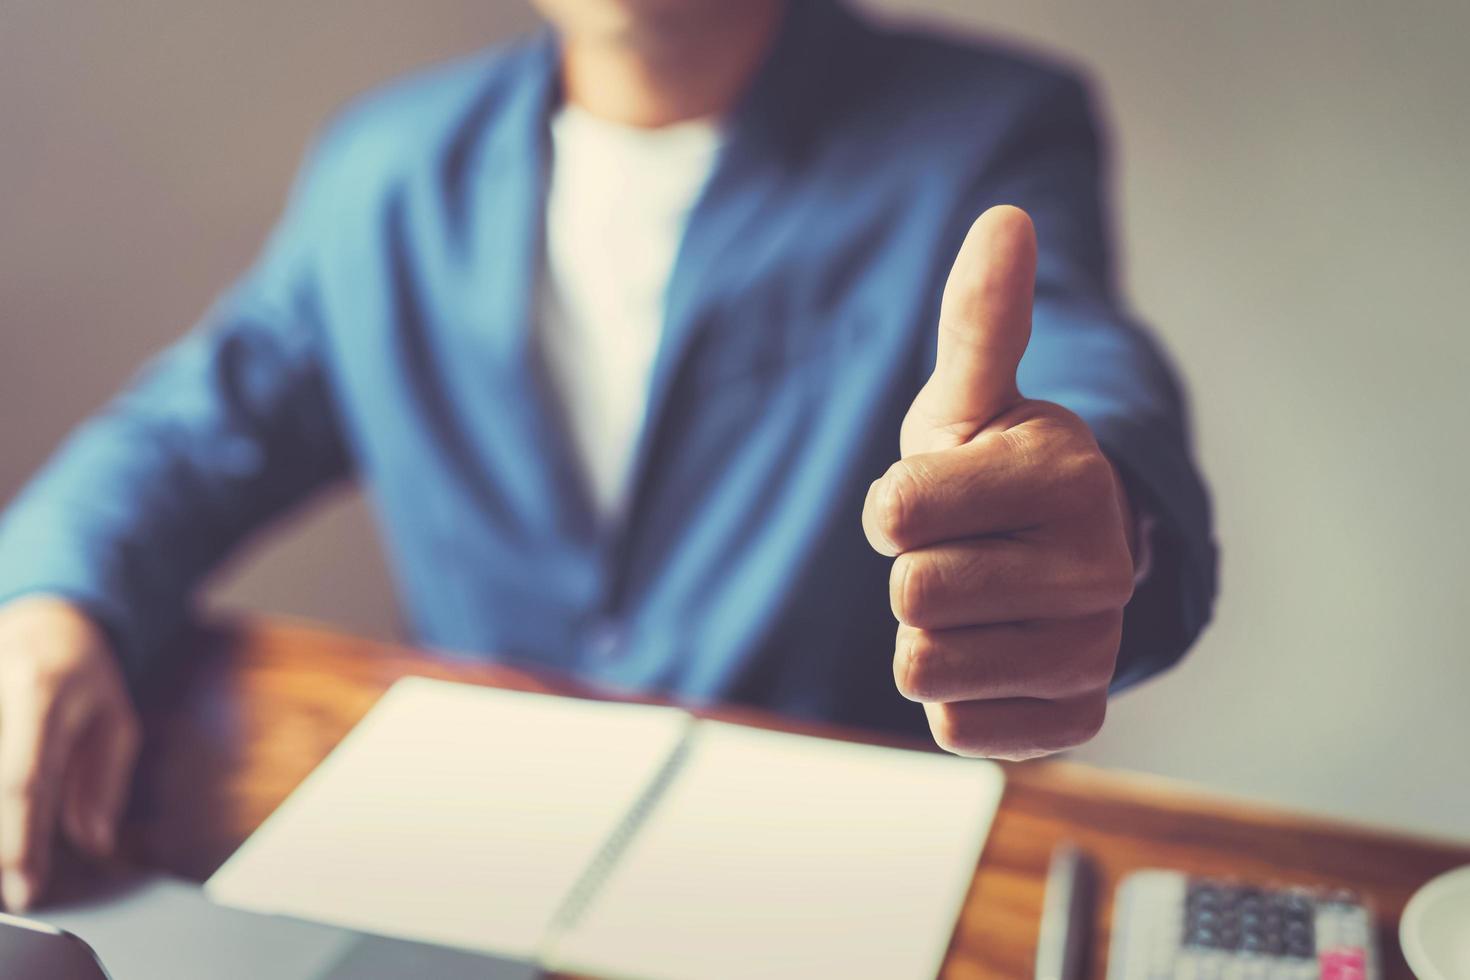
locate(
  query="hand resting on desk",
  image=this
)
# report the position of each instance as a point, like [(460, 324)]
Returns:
[(69, 738)]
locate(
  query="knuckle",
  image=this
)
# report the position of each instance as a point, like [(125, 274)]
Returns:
[(954, 733), (946, 730), (911, 587), (1115, 584), (897, 504), (1067, 424), (1097, 655), (1079, 723), (1088, 475), (1095, 474), (1022, 444), (1097, 584), (1108, 630), (1087, 676), (918, 668)]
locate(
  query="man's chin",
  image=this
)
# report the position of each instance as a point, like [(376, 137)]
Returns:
[(637, 24)]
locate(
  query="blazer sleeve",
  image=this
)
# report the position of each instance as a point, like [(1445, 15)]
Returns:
[(1088, 354), (224, 430)]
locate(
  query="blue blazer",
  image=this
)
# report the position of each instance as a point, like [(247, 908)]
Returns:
[(385, 336)]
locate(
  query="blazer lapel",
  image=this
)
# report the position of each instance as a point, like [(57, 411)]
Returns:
[(739, 211), (509, 231)]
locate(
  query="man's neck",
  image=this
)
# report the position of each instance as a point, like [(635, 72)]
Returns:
[(661, 80)]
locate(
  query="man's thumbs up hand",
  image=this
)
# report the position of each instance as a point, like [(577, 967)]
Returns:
[(1011, 531)]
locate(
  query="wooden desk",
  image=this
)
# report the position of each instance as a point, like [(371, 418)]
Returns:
[(269, 699)]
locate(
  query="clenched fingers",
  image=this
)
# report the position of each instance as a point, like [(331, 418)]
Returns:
[(1056, 659), (1004, 580), (1036, 474), (1015, 728)]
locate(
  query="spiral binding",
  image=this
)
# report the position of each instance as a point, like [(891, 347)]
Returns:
[(585, 888)]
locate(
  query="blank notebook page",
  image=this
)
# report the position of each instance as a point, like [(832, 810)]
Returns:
[(776, 856), (453, 814)]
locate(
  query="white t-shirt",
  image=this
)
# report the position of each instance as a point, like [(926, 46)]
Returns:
[(618, 199)]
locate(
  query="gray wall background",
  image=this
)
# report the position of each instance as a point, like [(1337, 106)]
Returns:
[(1292, 183)]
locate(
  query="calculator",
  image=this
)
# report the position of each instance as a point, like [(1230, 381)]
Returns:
[(1172, 926)]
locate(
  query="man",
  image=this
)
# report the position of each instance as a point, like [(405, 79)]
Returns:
[(617, 327)]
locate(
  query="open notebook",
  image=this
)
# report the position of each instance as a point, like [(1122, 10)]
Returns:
[(623, 840)]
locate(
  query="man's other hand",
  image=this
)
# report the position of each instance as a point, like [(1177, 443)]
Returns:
[(1010, 529), (69, 737)]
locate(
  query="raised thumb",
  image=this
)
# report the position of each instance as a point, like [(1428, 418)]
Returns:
[(984, 326)]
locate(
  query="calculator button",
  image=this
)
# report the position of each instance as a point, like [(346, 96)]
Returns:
[(1343, 963), (1243, 918)]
